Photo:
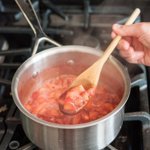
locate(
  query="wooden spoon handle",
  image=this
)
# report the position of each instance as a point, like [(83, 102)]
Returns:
[(116, 40)]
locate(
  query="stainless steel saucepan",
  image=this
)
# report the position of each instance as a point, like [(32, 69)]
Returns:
[(93, 135)]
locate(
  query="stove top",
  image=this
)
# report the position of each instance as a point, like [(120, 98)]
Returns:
[(82, 24)]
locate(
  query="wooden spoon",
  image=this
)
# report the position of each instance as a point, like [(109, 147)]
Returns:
[(90, 77)]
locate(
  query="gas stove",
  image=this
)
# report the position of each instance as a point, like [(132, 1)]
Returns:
[(77, 23)]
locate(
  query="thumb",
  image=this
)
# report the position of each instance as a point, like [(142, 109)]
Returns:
[(126, 30)]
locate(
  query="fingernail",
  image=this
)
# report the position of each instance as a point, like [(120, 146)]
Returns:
[(113, 35), (115, 26)]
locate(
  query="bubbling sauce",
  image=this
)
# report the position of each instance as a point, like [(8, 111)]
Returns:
[(44, 102)]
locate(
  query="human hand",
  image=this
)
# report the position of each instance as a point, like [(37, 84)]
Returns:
[(135, 43)]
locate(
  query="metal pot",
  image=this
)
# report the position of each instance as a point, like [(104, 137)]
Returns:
[(93, 135)]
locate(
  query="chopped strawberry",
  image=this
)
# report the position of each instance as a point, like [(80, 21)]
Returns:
[(69, 107), (76, 98)]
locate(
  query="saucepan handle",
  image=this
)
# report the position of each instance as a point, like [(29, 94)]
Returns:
[(32, 18)]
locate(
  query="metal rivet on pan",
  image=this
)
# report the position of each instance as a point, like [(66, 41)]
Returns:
[(35, 74), (70, 62)]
